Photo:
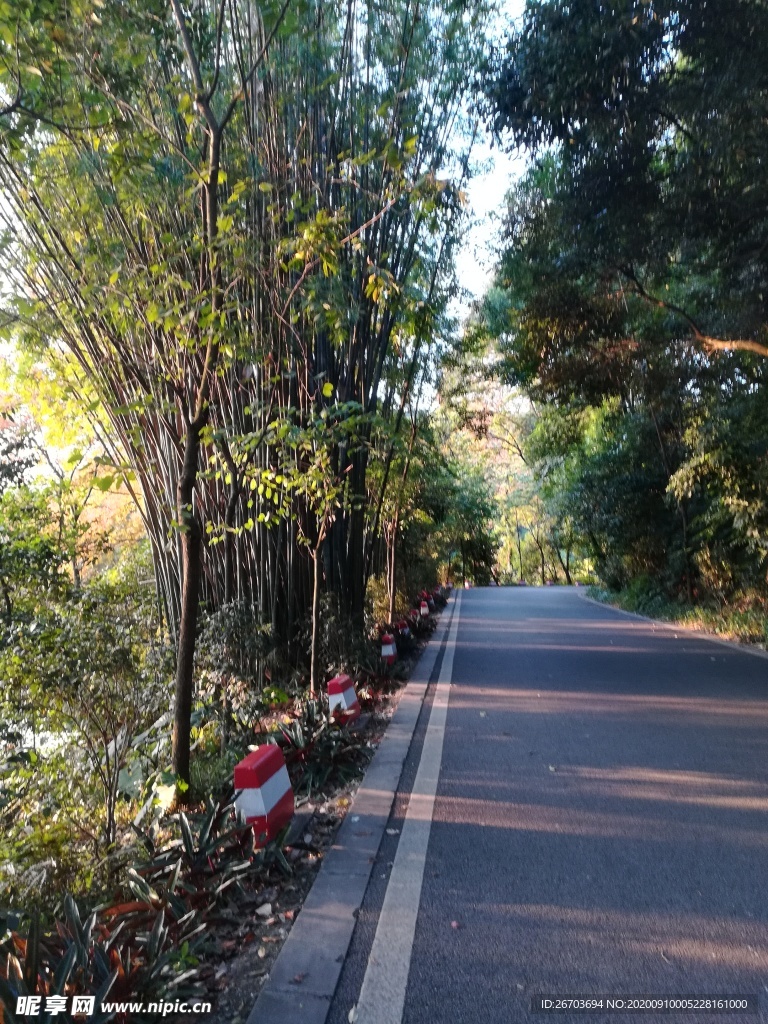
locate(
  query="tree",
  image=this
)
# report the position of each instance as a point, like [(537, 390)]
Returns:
[(218, 211), (660, 195)]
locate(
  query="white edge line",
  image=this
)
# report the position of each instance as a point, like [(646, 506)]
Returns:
[(382, 996)]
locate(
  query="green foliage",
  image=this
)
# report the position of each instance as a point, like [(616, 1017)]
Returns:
[(654, 171), (84, 674), (148, 941), (230, 657), (631, 268), (321, 754), (16, 456)]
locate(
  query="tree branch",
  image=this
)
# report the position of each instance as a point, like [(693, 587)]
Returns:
[(255, 66), (707, 342)]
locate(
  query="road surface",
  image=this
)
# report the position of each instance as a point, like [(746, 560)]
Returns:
[(584, 812)]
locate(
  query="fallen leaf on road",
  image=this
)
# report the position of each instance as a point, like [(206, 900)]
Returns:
[(552, 768), (352, 1017), (455, 925), (393, 831), (483, 714), (298, 978)]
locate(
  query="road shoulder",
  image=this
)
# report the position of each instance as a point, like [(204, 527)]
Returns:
[(679, 627), (304, 977)]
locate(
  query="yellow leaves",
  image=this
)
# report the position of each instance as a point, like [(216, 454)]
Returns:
[(237, 191), (380, 284)]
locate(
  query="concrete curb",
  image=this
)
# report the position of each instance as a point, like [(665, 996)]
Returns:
[(696, 634), (315, 949)]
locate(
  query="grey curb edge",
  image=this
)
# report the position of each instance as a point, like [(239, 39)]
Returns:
[(317, 944)]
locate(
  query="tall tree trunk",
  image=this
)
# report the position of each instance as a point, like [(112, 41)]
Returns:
[(191, 546), (680, 509), (393, 572), (314, 654), (564, 564), (540, 546), (519, 544)]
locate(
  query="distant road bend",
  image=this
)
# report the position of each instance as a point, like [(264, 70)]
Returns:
[(589, 816)]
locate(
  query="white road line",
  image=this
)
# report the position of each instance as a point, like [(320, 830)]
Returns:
[(382, 996)]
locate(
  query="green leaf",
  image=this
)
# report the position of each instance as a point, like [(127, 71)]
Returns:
[(186, 835)]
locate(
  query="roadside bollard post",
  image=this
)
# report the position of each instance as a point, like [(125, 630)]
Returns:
[(264, 793), (342, 699)]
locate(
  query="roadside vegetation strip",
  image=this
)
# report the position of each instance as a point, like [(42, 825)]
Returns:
[(194, 882), (383, 993), (304, 977)]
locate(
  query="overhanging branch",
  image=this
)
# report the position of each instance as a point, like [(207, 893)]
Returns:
[(705, 340)]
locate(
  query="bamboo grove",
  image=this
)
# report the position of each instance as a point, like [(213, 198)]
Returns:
[(234, 220)]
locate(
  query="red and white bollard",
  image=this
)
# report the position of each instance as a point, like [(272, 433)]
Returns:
[(265, 797), (424, 609), (388, 649), (342, 699)]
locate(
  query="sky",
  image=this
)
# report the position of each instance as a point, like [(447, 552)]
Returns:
[(486, 191), (477, 255)]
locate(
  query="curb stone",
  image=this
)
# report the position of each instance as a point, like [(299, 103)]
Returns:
[(304, 976)]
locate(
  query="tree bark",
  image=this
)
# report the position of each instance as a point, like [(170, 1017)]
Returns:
[(314, 655), (393, 571), (191, 547), (519, 544), (564, 565)]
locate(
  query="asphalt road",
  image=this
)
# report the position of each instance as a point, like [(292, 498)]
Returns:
[(599, 827)]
